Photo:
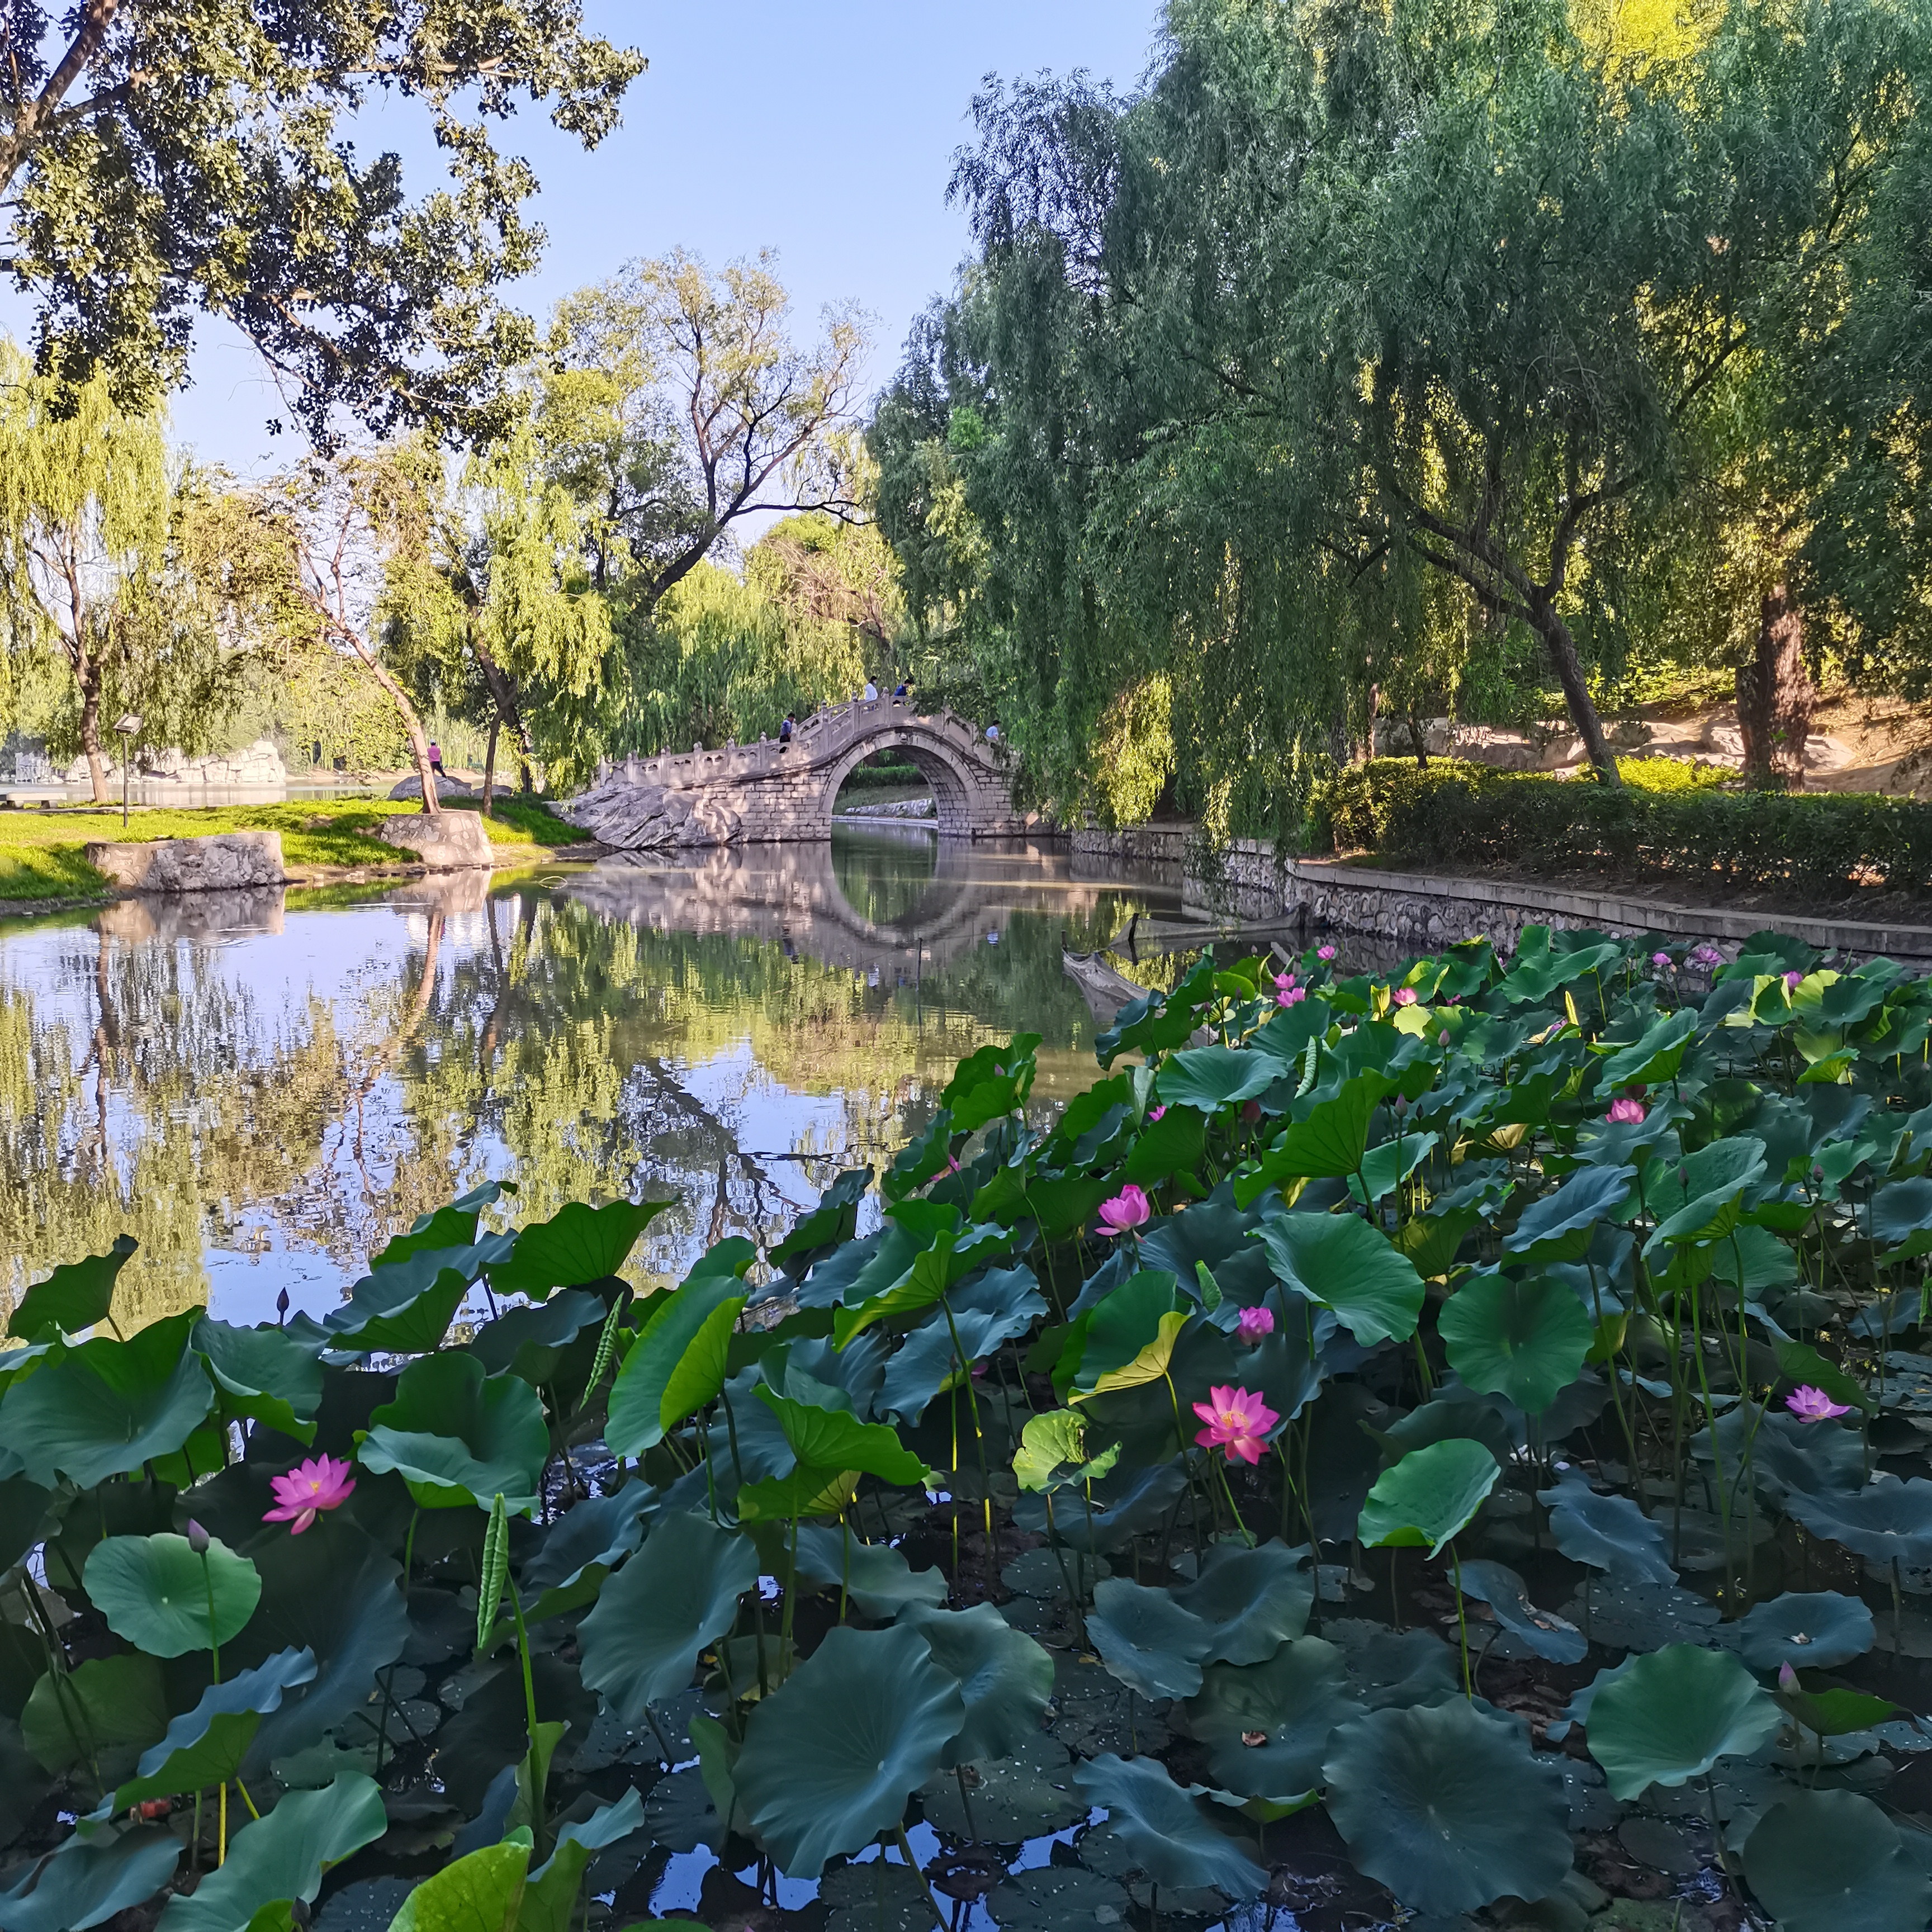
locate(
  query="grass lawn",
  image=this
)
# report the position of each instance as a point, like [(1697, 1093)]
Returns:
[(41, 853)]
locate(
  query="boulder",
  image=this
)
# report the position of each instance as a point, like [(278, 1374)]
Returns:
[(642, 818), (446, 788), (223, 862), (445, 842), (259, 763)]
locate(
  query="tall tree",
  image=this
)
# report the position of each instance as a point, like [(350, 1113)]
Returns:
[(164, 157)]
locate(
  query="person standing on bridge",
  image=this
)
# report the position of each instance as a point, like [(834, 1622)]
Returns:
[(900, 695), (993, 732), (872, 692), (785, 729)]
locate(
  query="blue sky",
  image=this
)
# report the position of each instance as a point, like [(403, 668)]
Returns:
[(827, 132)]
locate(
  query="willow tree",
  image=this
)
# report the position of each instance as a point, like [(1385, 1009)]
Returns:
[(84, 516)]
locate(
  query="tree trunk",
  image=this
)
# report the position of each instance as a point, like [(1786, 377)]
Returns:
[(490, 761), (88, 673), (413, 728), (1561, 648), (503, 691), (1775, 698)]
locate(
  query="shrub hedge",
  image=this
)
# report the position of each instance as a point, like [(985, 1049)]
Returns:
[(1467, 818)]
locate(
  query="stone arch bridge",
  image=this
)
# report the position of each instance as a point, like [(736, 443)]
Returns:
[(754, 794)]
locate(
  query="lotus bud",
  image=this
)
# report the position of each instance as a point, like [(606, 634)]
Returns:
[(282, 1306), (197, 1538)]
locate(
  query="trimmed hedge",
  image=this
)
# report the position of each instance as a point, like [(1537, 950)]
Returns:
[(1466, 817)]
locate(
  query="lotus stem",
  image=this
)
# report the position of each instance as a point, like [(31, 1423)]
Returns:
[(932, 1897)]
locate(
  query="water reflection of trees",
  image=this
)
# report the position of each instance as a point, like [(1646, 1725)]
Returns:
[(178, 1093)]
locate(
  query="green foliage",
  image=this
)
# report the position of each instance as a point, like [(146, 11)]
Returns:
[(1468, 818)]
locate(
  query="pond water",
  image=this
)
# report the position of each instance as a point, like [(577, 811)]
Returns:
[(262, 1087)]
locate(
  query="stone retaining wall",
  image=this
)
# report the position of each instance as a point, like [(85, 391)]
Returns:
[(1426, 911), (223, 862)]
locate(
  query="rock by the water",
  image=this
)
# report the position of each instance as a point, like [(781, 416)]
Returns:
[(259, 763), (223, 862), (446, 788), (640, 818), (445, 842)]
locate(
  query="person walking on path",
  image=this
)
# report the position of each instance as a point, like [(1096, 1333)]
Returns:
[(435, 758)]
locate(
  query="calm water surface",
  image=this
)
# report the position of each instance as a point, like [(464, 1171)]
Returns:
[(262, 1089)]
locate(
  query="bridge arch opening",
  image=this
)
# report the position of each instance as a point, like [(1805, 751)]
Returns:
[(936, 765)]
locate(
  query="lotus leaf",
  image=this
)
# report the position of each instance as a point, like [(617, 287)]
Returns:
[(549, 1902), (1052, 1447), (877, 1578), (75, 1296), (89, 1881), (156, 1592), (452, 1225), (1546, 1633), (205, 1747), (676, 1595), (283, 1856), (458, 1437), (1824, 1861), (529, 1343), (1812, 1631), (1147, 1639), (601, 1530), (1253, 1599), (826, 1438), (829, 1760), (1525, 1339), (1446, 1807), (1339, 1262), (1211, 1078), (985, 1313), (1385, 1167), (1429, 1497), (1606, 1532), (641, 1406), (1328, 1143), (481, 1892), (1170, 1832), (1048, 1898), (106, 1407), (1670, 1714), (1005, 1677), (272, 1375), (1655, 1057), (832, 1221), (1172, 1145), (107, 1703), (577, 1245), (1558, 1226), (407, 1308), (1268, 1724), (1888, 1521)]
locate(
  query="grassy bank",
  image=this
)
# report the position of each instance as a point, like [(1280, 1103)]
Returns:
[(43, 853)]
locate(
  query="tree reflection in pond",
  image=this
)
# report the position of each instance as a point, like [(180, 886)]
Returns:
[(262, 1092)]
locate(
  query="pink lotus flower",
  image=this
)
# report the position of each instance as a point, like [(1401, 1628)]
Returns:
[(1661, 961), (1327, 951), (1625, 1112), (1813, 1405), (1254, 1323), (1792, 981), (309, 1489), (1237, 1422), (1127, 1210), (1155, 1113), (1282, 981), (1291, 996), (1403, 996), (1706, 956)]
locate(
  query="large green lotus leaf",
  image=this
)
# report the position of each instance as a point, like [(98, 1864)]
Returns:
[(1172, 1145), (1714, 1178), (1827, 1860), (1808, 1630), (806, 1490), (529, 1342), (106, 1407), (1536, 974), (1053, 1452), (1339, 1262), (1431, 1495), (1267, 1725), (1000, 1304), (701, 1370), (636, 1420), (332, 1591), (1147, 1639), (1123, 1321), (1447, 1808), (832, 1438), (1886, 1522), (1558, 1226), (205, 1748), (282, 1857), (24, 1508), (1252, 1600), (405, 1308), (831, 1222), (452, 1225), (107, 1703), (1606, 1532), (482, 1892), (1211, 1078), (1049, 1898), (75, 1296), (991, 1081), (458, 1437), (156, 1592), (89, 1881), (947, 1254), (1525, 1339), (676, 1594), (1506, 1594), (550, 1898), (1670, 1715), (877, 1577), (601, 1529), (1388, 1164), (1901, 1218), (1004, 1676), (830, 1759), (1656, 1056), (578, 1245), (267, 1373), (1172, 1835), (1329, 1143)]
